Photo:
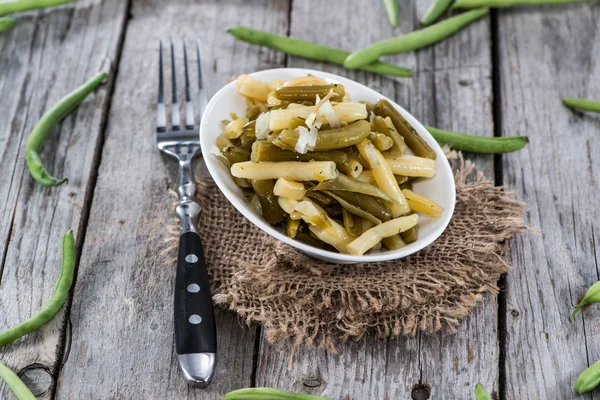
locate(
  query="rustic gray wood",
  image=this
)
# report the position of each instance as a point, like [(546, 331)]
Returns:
[(122, 314), (547, 53), (44, 57), (452, 89)]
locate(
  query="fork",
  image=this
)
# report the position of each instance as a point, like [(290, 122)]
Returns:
[(195, 330)]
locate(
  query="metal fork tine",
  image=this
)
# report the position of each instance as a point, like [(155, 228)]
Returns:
[(161, 115), (202, 95), (189, 109), (176, 120)]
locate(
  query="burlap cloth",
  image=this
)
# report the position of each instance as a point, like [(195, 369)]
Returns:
[(317, 304)]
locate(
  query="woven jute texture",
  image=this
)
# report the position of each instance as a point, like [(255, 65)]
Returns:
[(317, 304)]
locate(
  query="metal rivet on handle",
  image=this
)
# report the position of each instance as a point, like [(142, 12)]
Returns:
[(195, 319), (191, 258), (193, 288)]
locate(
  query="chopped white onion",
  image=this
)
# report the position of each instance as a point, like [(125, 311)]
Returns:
[(303, 138), (313, 115), (327, 111), (312, 137), (262, 125)]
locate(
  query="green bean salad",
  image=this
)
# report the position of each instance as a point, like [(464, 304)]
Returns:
[(335, 174)]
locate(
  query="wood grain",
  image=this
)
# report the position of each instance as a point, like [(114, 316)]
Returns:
[(47, 55), (123, 308), (451, 89), (547, 53)]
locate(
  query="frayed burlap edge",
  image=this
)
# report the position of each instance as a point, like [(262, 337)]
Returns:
[(317, 304)]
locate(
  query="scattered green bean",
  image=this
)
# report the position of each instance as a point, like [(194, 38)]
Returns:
[(414, 40), (269, 205), (20, 390), (412, 139), (435, 11), (348, 184), (264, 393), (478, 144), (45, 126), (591, 296), (311, 51), (480, 393), (393, 11), (309, 93), (589, 379), (14, 6), (363, 202), (48, 312), (468, 4), (356, 209), (333, 139), (582, 104), (393, 242), (7, 23), (265, 151)]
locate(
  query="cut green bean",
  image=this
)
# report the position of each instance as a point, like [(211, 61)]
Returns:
[(412, 139), (469, 4), (235, 154), (356, 209), (414, 40), (393, 242), (310, 240), (328, 140), (7, 23), (478, 144), (309, 93), (246, 142), (582, 104), (435, 11), (320, 198), (311, 51), (348, 184), (269, 205), (381, 141), (367, 203), (48, 312), (480, 393), (393, 11), (264, 151), (351, 223), (45, 126), (406, 185), (14, 6), (19, 389), (352, 167), (410, 235), (265, 393)]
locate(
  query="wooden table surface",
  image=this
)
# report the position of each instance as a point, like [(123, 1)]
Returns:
[(504, 75)]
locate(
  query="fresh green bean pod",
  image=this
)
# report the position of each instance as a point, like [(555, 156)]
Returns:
[(265, 151), (334, 139), (48, 312), (235, 154), (410, 235), (351, 223), (7, 23), (46, 124), (480, 393), (311, 51), (381, 141), (310, 240), (469, 4), (309, 93), (268, 201), (589, 379), (264, 393), (19, 389), (414, 40), (15, 6), (591, 296), (478, 144), (347, 184), (435, 11), (393, 242), (412, 139), (355, 208), (364, 202), (393, 11), (582, 104), (320, 198)]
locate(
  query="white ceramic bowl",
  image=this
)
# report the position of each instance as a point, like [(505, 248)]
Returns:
[(440, 188)]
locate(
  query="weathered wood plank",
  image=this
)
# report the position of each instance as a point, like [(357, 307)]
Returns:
[(547, 53), (123, 307), (44, 57), (452, 89)]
